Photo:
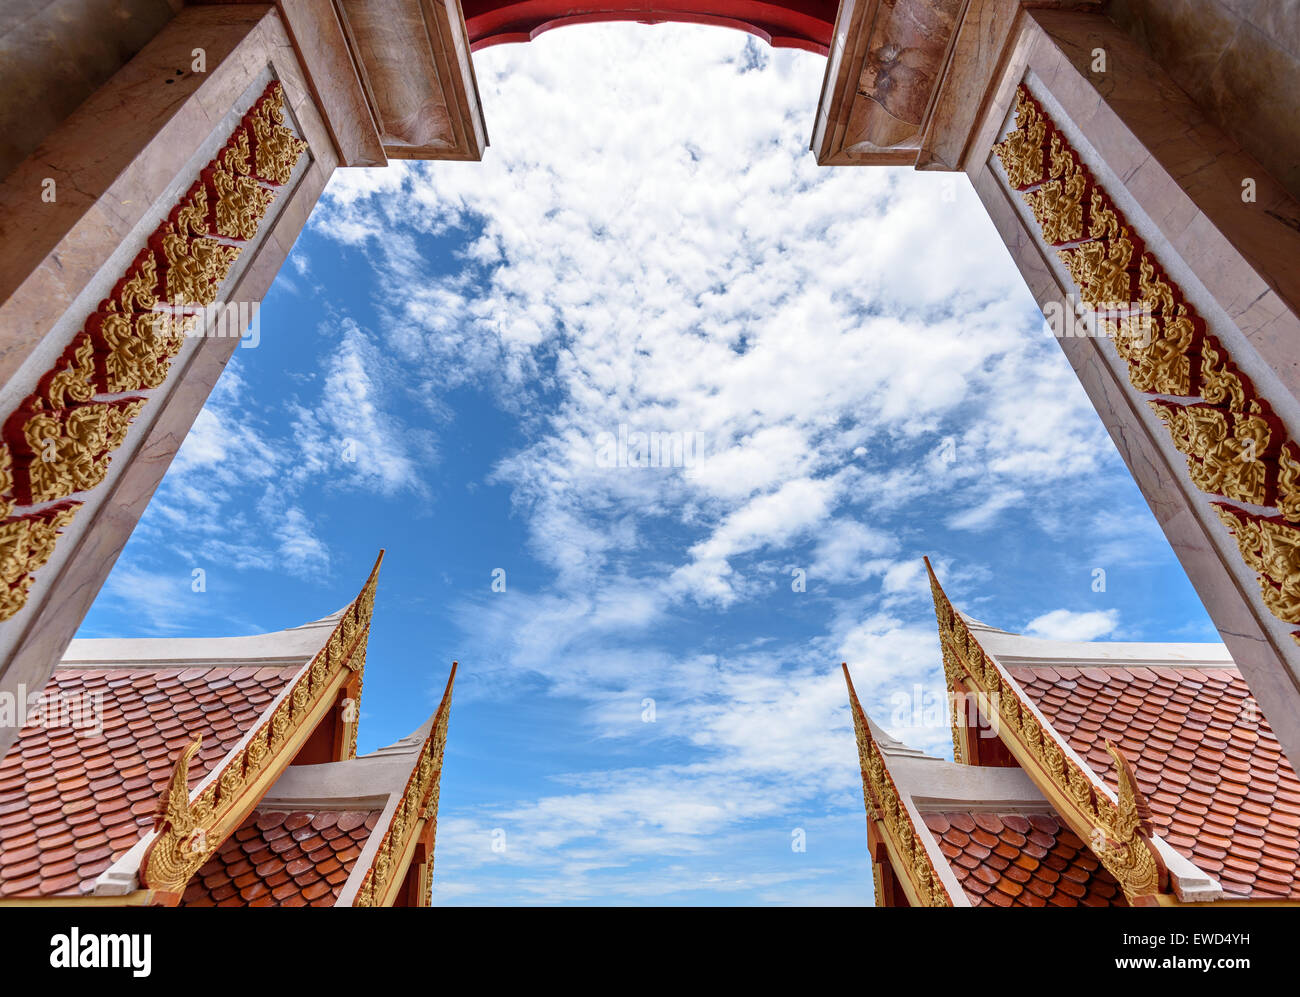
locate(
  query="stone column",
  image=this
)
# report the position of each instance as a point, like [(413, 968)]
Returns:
[(143, 193), (1139, 199)]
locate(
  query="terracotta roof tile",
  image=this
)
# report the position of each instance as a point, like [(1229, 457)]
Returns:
[(1212, 769), (246, 871), (1050, 865), (108, 782)]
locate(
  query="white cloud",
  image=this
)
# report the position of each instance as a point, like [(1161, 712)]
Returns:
[(1066, 624)]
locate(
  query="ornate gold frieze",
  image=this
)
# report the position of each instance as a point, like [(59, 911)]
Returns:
[(1121, 844), (419, 800), (189, 831), (60, 439), (1235, 445), (884, 805)]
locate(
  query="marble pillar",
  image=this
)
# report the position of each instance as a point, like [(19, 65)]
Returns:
[(120, 163), (1179, 181)]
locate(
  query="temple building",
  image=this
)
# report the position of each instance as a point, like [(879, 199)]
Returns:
[(220, 771), (1097, 774)]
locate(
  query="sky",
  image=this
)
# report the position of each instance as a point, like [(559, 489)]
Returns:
[(649, 708)]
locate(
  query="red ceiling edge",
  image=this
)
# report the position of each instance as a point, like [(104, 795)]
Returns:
[(801, 24)]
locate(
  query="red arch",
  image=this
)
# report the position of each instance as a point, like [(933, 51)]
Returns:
[(804, 24)]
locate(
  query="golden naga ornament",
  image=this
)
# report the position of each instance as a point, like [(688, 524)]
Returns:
[(59, 441), (1235, 445), (1125, 848), (182, 845)]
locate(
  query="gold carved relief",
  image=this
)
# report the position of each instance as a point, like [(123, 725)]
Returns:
[(26, 543), (1288, 482), (1234, 444), (1272, 548), (276, 150), (69, 451), (1224, 451), (6, 482), (1022, 150), (60, 439)]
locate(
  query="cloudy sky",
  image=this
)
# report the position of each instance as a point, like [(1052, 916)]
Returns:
[(649, 707)]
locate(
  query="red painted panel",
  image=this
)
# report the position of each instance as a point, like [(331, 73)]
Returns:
[(803, 24)]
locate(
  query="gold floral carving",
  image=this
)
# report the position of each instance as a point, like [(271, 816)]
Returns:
[(6, 481), (69, 451), (239, 201), (276, 150), (60, 439), (1288, 482), (135, 351), (1059, 203), (1234, 444), (192, 267), (26, 543), (1272, 548), (1101, 270), (1121, 843), (1022, 150), (173, 856), (1224, 450), (880, 795)]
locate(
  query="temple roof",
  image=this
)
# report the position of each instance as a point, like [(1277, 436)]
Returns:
[(1216, 800), (1022, 860), (336, 833), (283, 858), (74, 799), (987, 836), (1220, 789), (142, 757)]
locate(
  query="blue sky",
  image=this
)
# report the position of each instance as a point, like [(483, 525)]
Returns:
[(649, 243)]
